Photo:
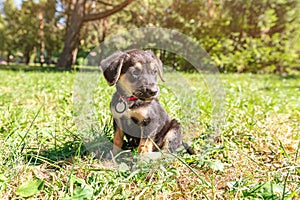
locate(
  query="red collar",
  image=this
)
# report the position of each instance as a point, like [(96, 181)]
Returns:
[(132, 98)]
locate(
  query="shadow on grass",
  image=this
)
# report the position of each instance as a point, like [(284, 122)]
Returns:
[(50, 68), (100, 148), (293, 87), (289, 76), (30, 68)]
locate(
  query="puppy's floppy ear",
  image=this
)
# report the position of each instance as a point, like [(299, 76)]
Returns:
[(158, 63), (112, 65)]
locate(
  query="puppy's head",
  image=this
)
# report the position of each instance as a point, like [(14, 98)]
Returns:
[(134, 72)]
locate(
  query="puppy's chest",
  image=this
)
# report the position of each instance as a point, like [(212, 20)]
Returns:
[(131, 110)]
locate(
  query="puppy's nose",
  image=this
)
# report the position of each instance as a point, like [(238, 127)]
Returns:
[(151, 91)]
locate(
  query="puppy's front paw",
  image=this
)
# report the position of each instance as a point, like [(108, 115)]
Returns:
[(145, 146)]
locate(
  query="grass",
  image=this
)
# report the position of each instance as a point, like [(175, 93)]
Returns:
[(46, 154)]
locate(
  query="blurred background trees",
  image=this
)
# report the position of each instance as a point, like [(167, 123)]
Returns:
[(239, 35)]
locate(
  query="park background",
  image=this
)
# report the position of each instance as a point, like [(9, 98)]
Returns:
[(254, 44), (240, 36)]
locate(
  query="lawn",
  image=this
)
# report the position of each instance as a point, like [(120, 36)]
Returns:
[(47, 153)]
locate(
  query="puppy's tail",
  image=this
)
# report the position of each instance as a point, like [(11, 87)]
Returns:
[(188, 148)]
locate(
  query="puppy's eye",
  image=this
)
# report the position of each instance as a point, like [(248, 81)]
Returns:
[(136, 73)]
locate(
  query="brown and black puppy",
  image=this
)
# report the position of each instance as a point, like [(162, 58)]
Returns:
[(136, 110)]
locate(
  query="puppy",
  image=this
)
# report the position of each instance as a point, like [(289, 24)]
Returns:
[(137, 113)]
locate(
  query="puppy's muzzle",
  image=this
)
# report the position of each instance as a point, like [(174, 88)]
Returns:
[(148, 92)]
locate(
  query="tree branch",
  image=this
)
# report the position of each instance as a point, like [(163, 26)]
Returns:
[(104, 3), (107, 13)]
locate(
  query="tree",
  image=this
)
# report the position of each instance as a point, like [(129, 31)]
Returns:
[(241, 36), (2, 38), (28, 29), (52, 30), (41, 17), (22, 28), (76, 19), (10, 27)]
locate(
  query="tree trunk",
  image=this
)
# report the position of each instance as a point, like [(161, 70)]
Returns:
[(210, 7), (8, 59), (49, 57), (74, 25), (42, 36), (74, 55), (27, 57), (101, 32), (65, 60)]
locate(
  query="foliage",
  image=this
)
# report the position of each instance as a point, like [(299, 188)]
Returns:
[(240, 36), (29, 188), (10, 20), (53, 32), (21, 29)]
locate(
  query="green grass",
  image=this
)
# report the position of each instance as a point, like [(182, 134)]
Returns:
[(45, 154)]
